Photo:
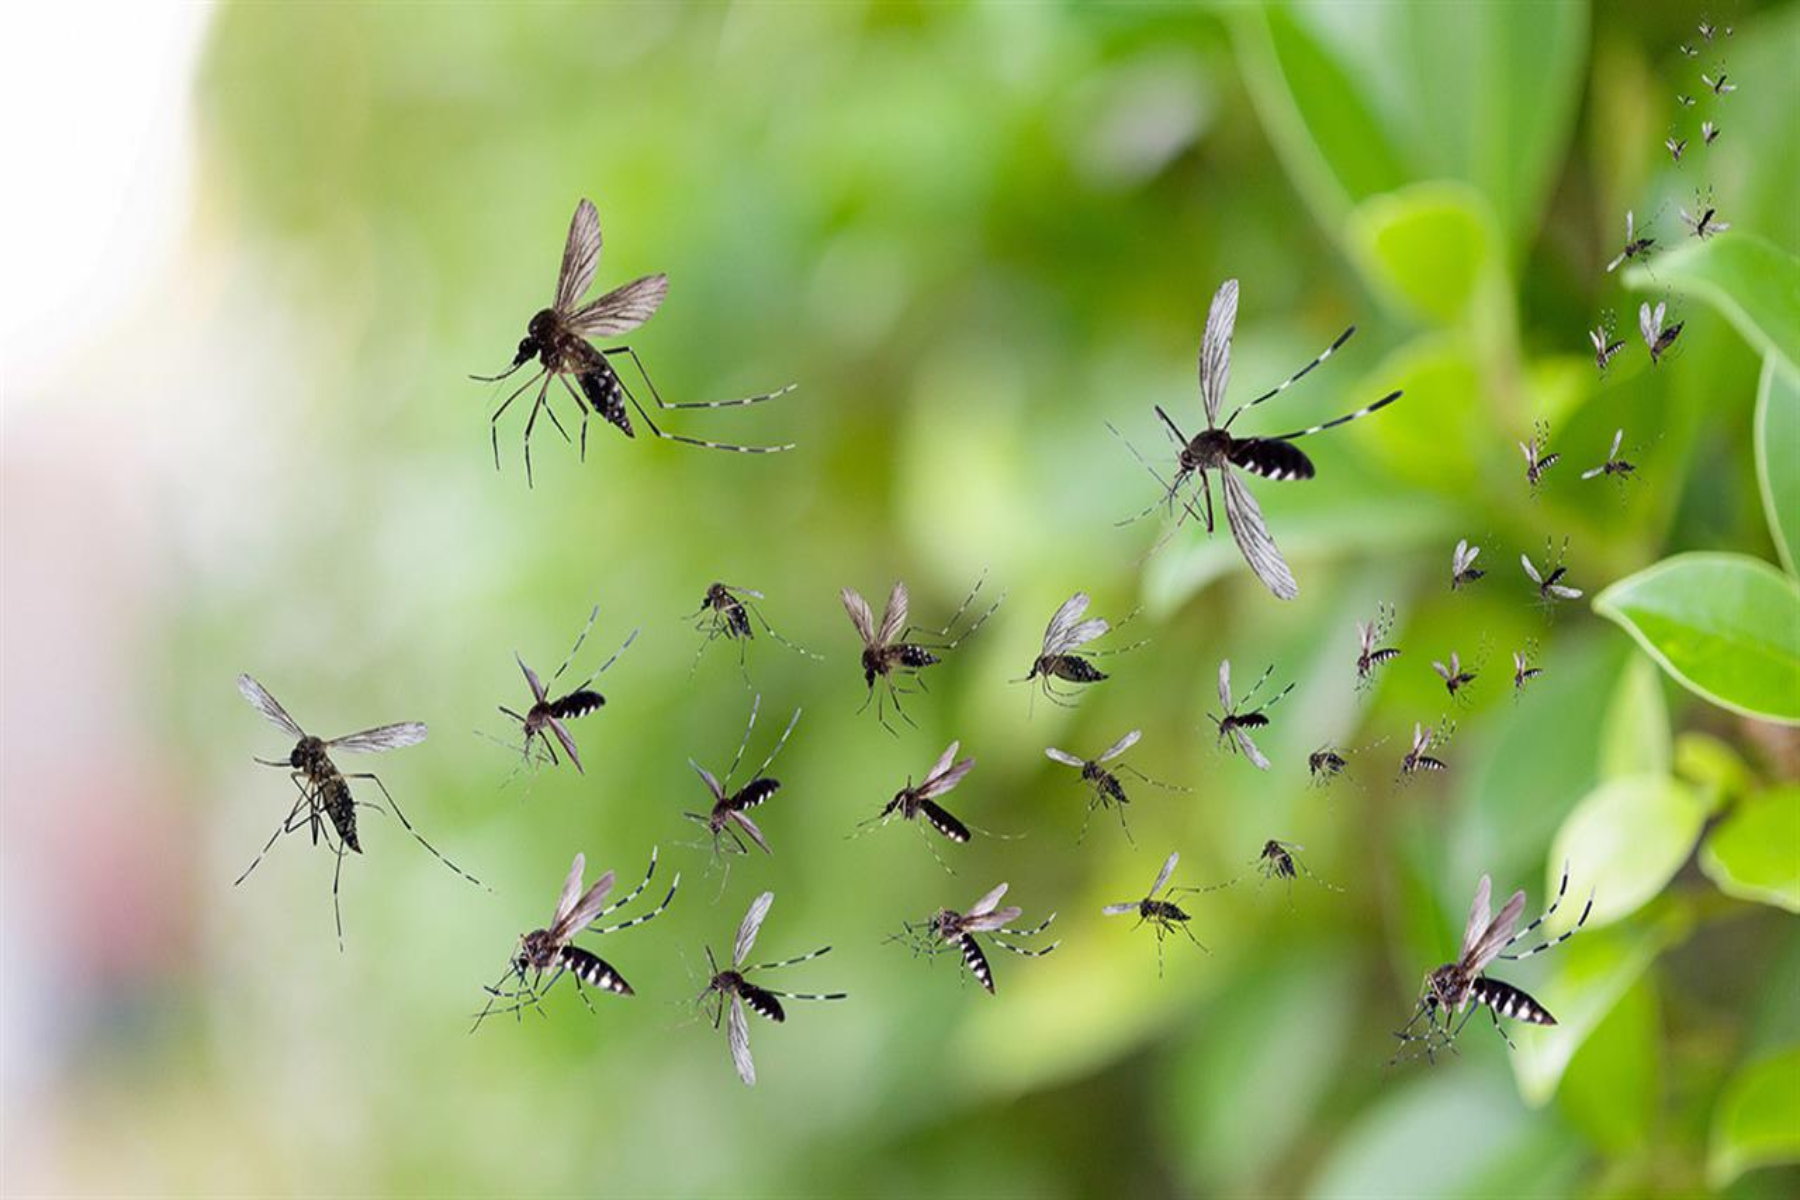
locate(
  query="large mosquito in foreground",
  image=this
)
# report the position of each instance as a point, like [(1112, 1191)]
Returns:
[(326, 805), (548, 716), (1108, 791), (1550, 587), (550, 950), (1237, 720), (729, 991), (1460, 987), (728, 820), (558, 337), (947, 928), (916, 800), (888, 650), (1215, 449), (725, 612), (1065, 653), (1164, 916), (1370, 652)]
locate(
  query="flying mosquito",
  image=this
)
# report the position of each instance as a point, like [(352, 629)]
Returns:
[(1700, 222), (725, 612), (1371, 653), (728, 820), (729, 991), (914, 801), (551, 949), (1709, 133), (1675, 146), (947, 928), (1063, 655), (1549, 584), (1239, 719), (1688, 50), (326, 805), (1463, 570), (558, 337), (1635, 246), (1454, 675), (1614, 465), (1460, 987), (1108, 791), (548, 716), (1685, 100), (1164, 916), (1215, 449), (1278, 860), (1719, 86), (1707, 29), (1606, 345), (1657, 338), (887, 649), (1331, 761), (1538, 456), (1417, 758), (1523, 671)]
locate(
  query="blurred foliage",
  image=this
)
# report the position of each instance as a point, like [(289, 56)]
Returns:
[(973, 235)]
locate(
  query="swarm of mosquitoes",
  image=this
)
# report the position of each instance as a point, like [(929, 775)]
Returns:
[(895, 655)]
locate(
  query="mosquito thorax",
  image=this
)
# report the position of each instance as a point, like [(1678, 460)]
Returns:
[(1206, 450), (309, 756), (542, 328), (1161, 910), (537, 951), (947, 924), (726, 982)]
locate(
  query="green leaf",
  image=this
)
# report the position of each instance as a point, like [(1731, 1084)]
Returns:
[(1612, 1086), (1427, 246), (1444, 432), (1726, 627), (1778, 456), (1757, 1122), (1712, 765), (1754, 854), (1624, 841), (1635, 738), (1754, 283)]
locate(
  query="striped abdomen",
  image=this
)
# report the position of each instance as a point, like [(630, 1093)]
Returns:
[(1271, 458), (575, 704), (976, 961), (340, 806), (1070, 667), (1508, 1001), (590, 968), (605, 394), (761, 1002)]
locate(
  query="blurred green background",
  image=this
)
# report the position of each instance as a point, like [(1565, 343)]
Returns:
[(971, 235)]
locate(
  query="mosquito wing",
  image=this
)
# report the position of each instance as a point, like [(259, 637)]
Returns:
[(1441, 669), (893, 617), (1119, 910), (1225, 684), (707, 777), (1215, 349), (945, 777), (581, 257), (623, 309), (571, 891), (1064, 757), (1564, 592), (1121, 746), (746, 934), (268, 706), (531, 678), (1525, 561), (382, 737), (986, 903), (1249, 748), (737, 1033), (860, 616), (1247, 526), (1000, 918), (1478, 911), (742, 820), (585, 910), (567, 739), (1494, 938), (1646, 326), (1630, 226), (1162, 876), (1056, 633)]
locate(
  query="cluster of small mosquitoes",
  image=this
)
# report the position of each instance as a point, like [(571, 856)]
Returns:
[(896, 653)]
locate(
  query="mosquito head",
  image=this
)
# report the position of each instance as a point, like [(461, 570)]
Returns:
[(536, 952), (874, 664), (309, 755), (539, 333)]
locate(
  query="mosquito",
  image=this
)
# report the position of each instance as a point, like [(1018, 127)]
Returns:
[(914, 801), (1709, 133), (1701, 222), (1454, 675), (551, 949), (1688, 50), (1538, 456), (1215, 449), (1108, 791), (1240, 718), (730, 991), (1707, 29), (947, 928), (326, 805), (1685, 100), (1614, 465), (728, 820), (1063, 655), (1460, 987), (1523, 671), (1371, 653), (1463, 570), (1164, 916), (547, 717), (888, 650), (1675, 146), (1549, 583), (1719, 86), (725, 612), (559, 338), (1635, 246), (1281, 860), (1330, 761), (1657, 338), (1418, 757), (1606, 345)]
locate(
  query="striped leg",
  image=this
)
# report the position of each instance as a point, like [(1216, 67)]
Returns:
[(810, 995), (649, 916), (1023, 952), (676, 437), (1548, 913), (661, 403), (1336, 421), (788, 962), (1291, 380), (618, 904)]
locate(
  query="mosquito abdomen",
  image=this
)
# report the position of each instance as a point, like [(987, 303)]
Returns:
[(590, 968), (1271, 458), (1508, 1001), (340, 806), (600, 384)]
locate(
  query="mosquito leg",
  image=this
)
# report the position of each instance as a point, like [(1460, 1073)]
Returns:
[(777, 636), (409, 827), (661, 403), (530, 424), (677, 437), (649, 916), (581, 407), (494, 421), (788, 962), (286, 826), (634, 893), (337, 911)]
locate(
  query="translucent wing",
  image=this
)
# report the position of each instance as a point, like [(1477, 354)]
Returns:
[(622, 309), (1530, 570), (942, 781), (531, 678), (1162, 876), (1260, 551), (1564, 592), (987, 902), (1441, 669), (1000, 918), (742, 820), (1249, 748), (1365, 635), (563, 735), (1064, 757), (746, 934), (1599, 470), (1117, 910), (268, 706), (1630, 226), (382, 737), (737, 1033), (581, 257), (1225, 684), (707, 777), (1478, 911), (1056, 633), (1215, 349), (571, 891), (585, 910), (860, 616), (893, 617), (1494, 938), (1645, 325), (943, 762), (1121, 746), (1081, 635)]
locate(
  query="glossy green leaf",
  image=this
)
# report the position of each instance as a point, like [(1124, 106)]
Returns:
[(1754, 853), (1757, 1121), (1754, 283), (1624, 841), (1725, 626), (1428, 246), (1778, 456), (1635, 738)]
